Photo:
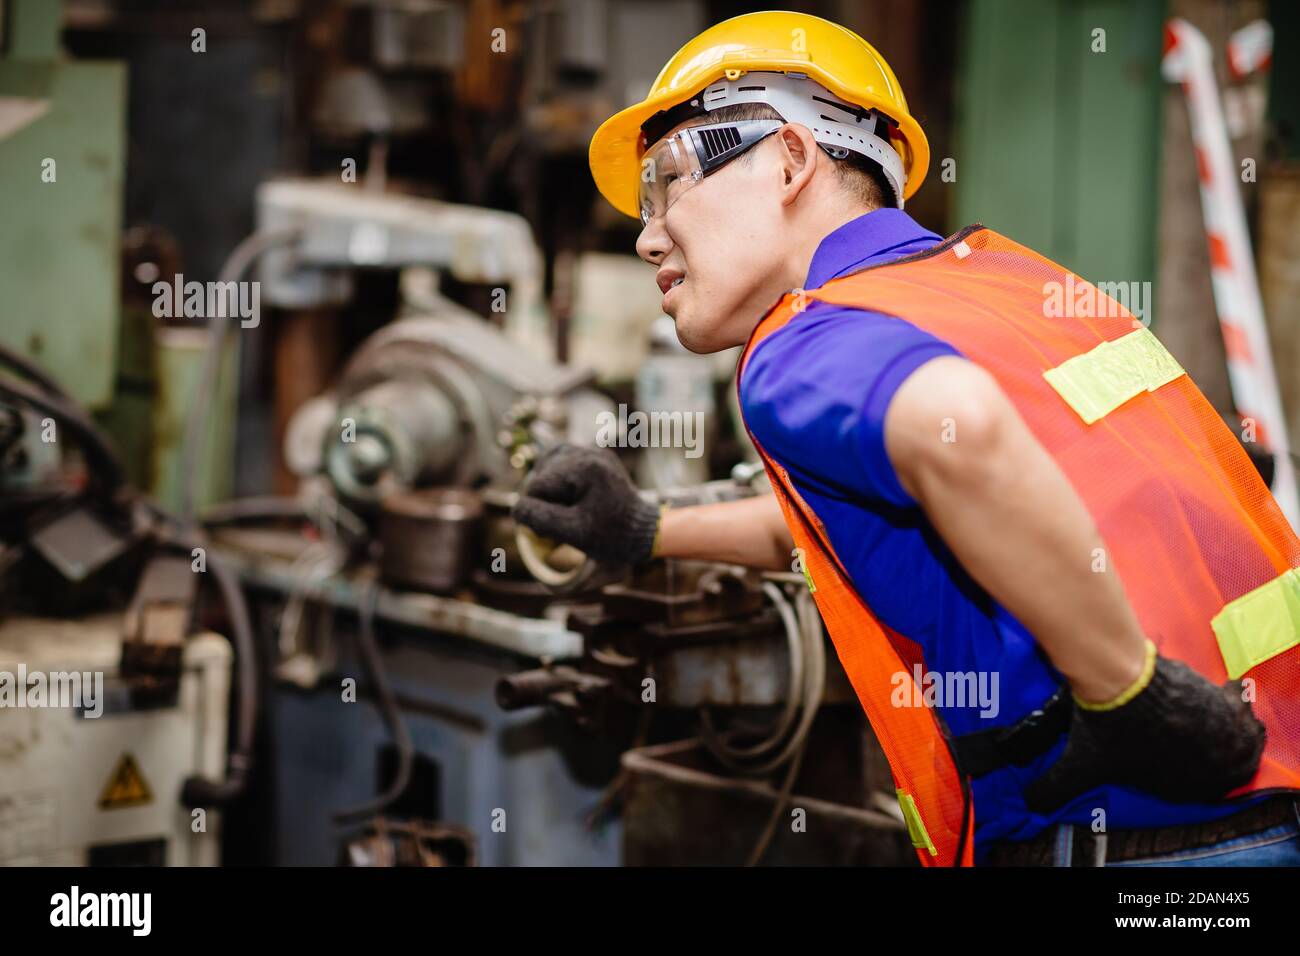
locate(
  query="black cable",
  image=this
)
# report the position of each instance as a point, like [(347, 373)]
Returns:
[(366, 608), (199, 791), (778, 806), (259, 508), (106, 468), (281, 508), (29, 369)]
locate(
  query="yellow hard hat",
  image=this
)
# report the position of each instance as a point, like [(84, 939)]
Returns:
[(774, 41)]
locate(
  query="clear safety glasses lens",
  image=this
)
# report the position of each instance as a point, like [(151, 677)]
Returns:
[(683, 159)]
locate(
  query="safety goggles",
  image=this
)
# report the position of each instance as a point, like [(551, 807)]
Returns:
[(678, 162)]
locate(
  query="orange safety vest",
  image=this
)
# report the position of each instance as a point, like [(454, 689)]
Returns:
[(1207, 559)]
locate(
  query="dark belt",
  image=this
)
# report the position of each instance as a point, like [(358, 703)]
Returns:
[(987, 750), (1087, 848)]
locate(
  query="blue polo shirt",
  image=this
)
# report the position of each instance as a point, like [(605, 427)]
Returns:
[(814, 395)]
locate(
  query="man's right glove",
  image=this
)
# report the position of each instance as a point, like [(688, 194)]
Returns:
[(1179, 737), (584, 497)]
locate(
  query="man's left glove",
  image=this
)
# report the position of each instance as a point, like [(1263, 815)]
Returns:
[(1179, 737), (584, 497)]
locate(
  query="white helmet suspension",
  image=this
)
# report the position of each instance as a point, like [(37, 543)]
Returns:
[(837, 125)]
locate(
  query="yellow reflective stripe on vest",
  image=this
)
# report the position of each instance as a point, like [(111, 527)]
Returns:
[(1260, 624), (915, 827), (1101, 380)]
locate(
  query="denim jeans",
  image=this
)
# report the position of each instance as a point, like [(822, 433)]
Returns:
[(1276, 846)]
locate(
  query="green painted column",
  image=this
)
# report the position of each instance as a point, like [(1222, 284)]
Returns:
[(61, 193), (1058, 145)]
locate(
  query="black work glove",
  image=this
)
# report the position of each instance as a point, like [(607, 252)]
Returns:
[(1181, 739), (584, 497)]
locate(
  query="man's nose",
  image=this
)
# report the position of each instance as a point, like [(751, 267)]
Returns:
[(653, 244)]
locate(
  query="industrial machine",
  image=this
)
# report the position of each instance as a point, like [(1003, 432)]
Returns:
[(114, 695), (409, 464), (99, 783), (412, 679), (509, 681)]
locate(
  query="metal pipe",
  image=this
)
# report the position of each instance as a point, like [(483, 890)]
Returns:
[(238, 262)]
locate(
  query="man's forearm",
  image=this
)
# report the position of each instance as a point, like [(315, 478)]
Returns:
[(750, 532), (1018, 527)]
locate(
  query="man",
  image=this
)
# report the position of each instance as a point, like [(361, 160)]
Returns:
[(973, 488)]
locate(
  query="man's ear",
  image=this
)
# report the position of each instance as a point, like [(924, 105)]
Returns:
[(797, 159)]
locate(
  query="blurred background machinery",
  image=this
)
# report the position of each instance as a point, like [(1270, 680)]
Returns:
[(441, 296), (103, 790)]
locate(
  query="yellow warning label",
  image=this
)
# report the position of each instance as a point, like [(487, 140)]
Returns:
[(126, 787)]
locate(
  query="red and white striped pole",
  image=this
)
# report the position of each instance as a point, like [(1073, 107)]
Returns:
[(1188, 61)]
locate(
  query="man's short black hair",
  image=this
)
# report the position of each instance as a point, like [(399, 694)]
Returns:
[(861, 176)]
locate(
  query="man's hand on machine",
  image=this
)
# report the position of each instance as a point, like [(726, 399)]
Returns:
[(1173, 734), (583, 497)]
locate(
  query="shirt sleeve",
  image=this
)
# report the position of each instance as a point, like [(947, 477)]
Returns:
[(814, 394)]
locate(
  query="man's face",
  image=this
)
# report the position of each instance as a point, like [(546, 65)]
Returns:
[(722, 238)]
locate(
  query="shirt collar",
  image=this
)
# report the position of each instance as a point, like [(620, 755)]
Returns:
[(872, 238)]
